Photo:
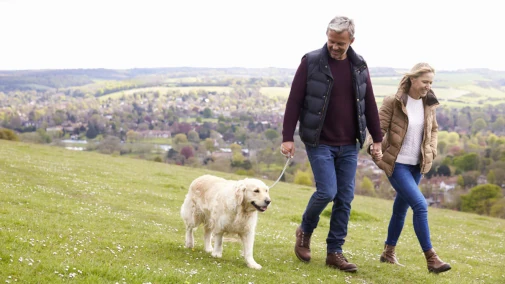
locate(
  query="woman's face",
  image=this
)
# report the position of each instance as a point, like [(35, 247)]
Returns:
[(422, 84)]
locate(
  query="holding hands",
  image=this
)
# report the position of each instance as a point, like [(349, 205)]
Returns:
[(376, 151)]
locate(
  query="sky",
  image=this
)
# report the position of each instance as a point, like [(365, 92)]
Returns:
[(68, 34)]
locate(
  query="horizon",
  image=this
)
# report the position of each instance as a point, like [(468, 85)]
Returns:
[(120, 35), (231, 67)]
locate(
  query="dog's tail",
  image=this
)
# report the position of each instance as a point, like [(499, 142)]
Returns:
[(188, 207)]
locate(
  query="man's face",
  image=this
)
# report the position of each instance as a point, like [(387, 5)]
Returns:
[(338, 44)]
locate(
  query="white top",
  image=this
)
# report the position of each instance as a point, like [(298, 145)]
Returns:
[(410, 152)]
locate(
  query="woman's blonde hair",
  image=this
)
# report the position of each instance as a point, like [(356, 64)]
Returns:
[(416, 71)]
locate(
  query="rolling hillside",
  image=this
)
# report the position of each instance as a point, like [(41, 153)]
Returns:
[(82, 217)]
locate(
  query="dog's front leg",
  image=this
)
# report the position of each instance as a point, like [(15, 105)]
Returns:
[(248, 243), (218, 245)]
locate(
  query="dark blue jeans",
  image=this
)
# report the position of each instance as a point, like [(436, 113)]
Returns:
[(334, 169), (405, 180)]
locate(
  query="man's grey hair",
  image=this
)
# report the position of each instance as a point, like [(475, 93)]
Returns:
[(341, 24)]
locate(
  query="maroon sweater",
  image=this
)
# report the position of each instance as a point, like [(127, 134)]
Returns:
[(341, 124)]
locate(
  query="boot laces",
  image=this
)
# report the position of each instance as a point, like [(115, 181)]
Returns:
[(305, 240), (340, 257)]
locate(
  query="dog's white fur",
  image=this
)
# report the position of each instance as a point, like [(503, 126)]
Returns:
[(225, 206)]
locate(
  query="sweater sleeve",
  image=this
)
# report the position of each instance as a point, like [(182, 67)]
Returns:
[(372, 114), (295, 102)]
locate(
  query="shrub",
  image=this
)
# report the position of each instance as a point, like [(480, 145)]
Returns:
[(481, 198), (303, 178), (7, 134)]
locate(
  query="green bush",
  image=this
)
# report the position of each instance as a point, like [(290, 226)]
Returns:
[(303, 178), (7, 134), (481, 198)]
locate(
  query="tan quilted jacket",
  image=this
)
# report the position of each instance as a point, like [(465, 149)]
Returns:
[(394, 122)]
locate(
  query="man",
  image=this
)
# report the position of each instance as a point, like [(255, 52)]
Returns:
[(332, 97)]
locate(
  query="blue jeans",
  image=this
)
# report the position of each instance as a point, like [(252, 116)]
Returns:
[(334, 169), (405, 180)]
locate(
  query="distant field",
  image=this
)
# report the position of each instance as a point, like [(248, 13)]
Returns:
[(164, 90), (460, 96), (381, 91), (273, 92)]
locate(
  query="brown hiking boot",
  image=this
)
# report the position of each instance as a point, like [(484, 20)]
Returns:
[(435, 264), (338, 261), (302, 246), (389, 255)]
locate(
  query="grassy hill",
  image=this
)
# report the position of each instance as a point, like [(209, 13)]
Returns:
[(88, 218)]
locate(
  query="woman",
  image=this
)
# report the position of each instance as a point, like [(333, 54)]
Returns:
[(409, 126)]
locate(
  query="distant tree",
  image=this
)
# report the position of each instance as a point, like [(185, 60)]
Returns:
[(366, 187), (271, 134), (207, 113), (92, 132), (14, 122), (187, 152), (184, 127), (132, 136), (110, 145), (481, 198), (237, 156), (180, 138), (491, 177), (498, 125), (467, 162), (444, 170), (209, 145), (172, 154), (453, 138), (499, 173), (441, 147), (498, 209), (193, 136), (204, 130), (479, 125), (7, 134)]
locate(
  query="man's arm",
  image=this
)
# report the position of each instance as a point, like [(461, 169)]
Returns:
[(293, 107), (372, 114)]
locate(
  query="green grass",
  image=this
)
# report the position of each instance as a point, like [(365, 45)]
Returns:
[(82, 217)]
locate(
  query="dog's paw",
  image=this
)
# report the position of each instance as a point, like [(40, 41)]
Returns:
[(209, 250), (217, 255), (254, 265)]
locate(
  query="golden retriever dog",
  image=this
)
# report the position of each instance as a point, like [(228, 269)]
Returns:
[(225, 206)]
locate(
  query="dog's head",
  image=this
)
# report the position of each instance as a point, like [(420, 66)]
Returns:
[(253, 194)]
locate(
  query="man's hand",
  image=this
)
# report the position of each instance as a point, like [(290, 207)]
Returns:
[(288, 149), (376, 151)]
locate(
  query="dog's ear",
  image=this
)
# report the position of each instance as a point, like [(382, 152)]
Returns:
[(239, 191)]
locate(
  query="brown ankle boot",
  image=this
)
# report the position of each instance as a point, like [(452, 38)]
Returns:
[(435, 264), (389, 255), (302, 246), (338, 261)]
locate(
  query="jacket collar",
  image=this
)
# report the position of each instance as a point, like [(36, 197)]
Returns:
[(430, 99), (356, 61)]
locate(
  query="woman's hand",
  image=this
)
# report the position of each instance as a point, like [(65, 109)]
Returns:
[(376, 151)]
